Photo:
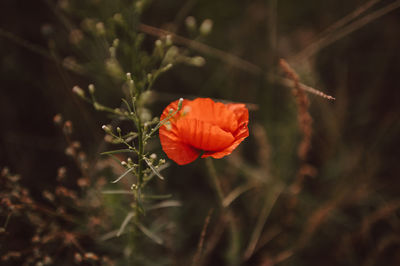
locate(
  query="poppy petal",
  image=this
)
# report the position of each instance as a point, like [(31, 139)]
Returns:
[(203, 125), (244, 133), (176, 150), (205, 109), (203, 135), (240, 111)]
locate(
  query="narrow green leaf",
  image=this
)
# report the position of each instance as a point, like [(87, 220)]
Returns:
[(124, 174), (117, 192), (116, 151), (166, 204), (157, 196), (125, 223), (150, 234), (155, 171)]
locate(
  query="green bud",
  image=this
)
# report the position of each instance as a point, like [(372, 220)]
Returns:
[(91, 88), (106, 129), (198, 61), (190, 23), (78, 91), (116, 43), (206, 26), (100, 30), (168, 40), (158, 43), (118, 18), (180, 103), (128, 76)]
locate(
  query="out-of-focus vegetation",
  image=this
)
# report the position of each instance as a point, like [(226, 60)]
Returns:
[(333, 201)]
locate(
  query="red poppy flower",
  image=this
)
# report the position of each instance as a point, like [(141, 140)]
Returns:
[(205, 127)]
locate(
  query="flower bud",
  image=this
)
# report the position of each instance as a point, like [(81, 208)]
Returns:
[(128, 76), (118, 18), (158, 43), (106, 129), (168, 40), (198, 61), (91, 88), (115, 43), (78, 91), (190, 23), (100, 30), (180, 103), (206, 26)]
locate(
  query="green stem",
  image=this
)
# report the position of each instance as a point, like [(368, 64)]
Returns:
[(215, 181), (140, 154), (233, 254)]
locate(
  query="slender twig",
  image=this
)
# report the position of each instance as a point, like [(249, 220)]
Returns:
[(203, 48), (197, 256), (270, 201), (325, 41), (233, 252)]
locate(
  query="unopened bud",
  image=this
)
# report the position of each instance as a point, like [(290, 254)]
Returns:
[(168, 40), (116, 42), (206, 26), (100, 28), (190, 23), (158, 43), (91, 88), (180, 103), (57, 119), (118, 18), (106, 129), (78, 91), (198, 61)]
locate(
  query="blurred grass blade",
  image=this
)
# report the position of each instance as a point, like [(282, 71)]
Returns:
[(167, 196), (150, 234), (269, 203), (115, 151), (236, 193), (125, 223), (121, 176), (117, 192), (109, 235), (166, 204)]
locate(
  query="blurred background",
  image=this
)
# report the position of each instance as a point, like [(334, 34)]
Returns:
[(338, 205)]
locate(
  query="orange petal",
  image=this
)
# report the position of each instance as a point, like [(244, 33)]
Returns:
[(243, 133), (240, 111), (218, 114), (202, 135), (175, 149)]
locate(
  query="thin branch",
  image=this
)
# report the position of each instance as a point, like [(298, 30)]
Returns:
[(325, 41)]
